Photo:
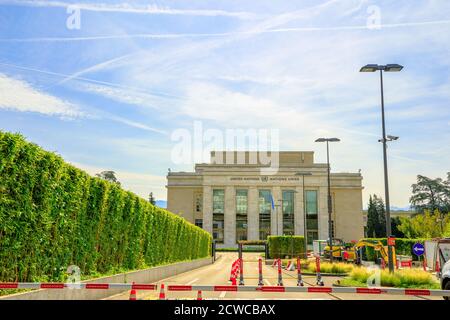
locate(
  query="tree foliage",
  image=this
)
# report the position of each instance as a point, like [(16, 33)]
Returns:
[(108, 176), (431, 194), (53, 215), (376, 217), (426, 225), (151, 199)]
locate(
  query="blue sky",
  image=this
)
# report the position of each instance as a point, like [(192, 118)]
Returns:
[(107, 96)]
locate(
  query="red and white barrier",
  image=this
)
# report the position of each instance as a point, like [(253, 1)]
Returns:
[(171, 288), (389, 291), (55, 285)]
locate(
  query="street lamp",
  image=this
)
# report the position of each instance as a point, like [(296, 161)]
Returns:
[(386, 68), (330, 230), (303, 174)]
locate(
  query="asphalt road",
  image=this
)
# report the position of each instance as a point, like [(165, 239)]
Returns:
[(219, 273)]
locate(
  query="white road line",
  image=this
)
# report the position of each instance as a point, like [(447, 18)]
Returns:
[(222, 294), (192, 281), (267, 282)]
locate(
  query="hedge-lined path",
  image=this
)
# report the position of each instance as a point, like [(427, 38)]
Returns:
[(219, 272)]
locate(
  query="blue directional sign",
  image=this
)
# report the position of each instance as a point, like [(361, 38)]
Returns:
[(418, 249)]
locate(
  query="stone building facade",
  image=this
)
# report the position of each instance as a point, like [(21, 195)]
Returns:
[(234, 200)]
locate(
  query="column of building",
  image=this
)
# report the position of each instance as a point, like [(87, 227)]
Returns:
[(207, 209), (323, 212), (299, 212), (253, 214), (230, 216)]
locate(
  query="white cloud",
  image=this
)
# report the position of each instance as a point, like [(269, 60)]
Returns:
[(20, 96), (151, 9)]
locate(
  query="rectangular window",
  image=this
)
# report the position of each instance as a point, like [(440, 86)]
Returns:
[(265, 208), (312, 223), (241, 214), (218, 214), (311, 202), (288, 212), (199, 223)]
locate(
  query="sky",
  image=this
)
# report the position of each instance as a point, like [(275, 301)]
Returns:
[(106, 84)]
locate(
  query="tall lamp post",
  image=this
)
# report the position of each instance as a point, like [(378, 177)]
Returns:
[(384, 140), (303, 174), (330, 228)]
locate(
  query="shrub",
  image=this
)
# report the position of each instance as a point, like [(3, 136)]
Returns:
[(53, 215), (281, 246), (334, 268), (406, 278)]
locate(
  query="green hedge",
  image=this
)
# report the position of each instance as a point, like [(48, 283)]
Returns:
[(403, 246), (53, 215), (281, 246)]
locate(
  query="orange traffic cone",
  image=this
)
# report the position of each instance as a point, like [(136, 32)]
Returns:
[(132, 292), (162, 294), (199, 295)]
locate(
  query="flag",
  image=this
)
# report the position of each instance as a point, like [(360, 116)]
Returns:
[(271, 200)]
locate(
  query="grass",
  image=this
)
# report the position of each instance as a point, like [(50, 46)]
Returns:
[(406, 278), (325, 267)]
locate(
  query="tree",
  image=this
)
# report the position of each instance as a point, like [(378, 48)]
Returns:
[(108, 176), (431, 194), (376, 217), (151, 199), (426, 225), (379, 204), (395, 223)]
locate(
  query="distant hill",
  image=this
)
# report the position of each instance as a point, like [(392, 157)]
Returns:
[(161, 203)]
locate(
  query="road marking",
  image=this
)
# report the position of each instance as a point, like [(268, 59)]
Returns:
[(267, 282), (192, 281), (222, 294)]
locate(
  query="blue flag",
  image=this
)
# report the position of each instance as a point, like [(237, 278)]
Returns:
[(271, 200)]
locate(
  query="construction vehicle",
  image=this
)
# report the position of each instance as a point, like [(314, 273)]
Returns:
[(338, 249), (352, 252)]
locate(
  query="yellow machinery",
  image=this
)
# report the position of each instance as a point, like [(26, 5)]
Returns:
[(351, 253)]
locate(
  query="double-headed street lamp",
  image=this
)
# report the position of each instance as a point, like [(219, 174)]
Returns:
[(384, 139), (330, 227)]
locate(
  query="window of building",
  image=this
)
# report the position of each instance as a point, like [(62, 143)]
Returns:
[(312, 223), (241, 214), (218, 215), (265, 208), (288, 212), (199, 223), (198, 203)]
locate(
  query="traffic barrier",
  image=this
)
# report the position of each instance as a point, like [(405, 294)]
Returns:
[(58, 285), (383, 264), (241, 272), (280, 277), (133, 294), (162, 294), (199, 295), (260, 276), (234, 269), (274, 263), (357, 290), (299, 273), (407, 263), (319, 281)]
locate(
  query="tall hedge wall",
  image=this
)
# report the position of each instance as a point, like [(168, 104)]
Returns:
[(281, 246), (403, 246), (53, 215)]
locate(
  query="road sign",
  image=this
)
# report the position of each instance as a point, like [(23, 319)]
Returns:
[(418, 249), (391, 241)]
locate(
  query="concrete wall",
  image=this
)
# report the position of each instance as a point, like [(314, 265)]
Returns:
[(181, 201), (348, 215), (141, 276)]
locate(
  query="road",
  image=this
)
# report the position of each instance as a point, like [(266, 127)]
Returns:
[(219, 273)]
